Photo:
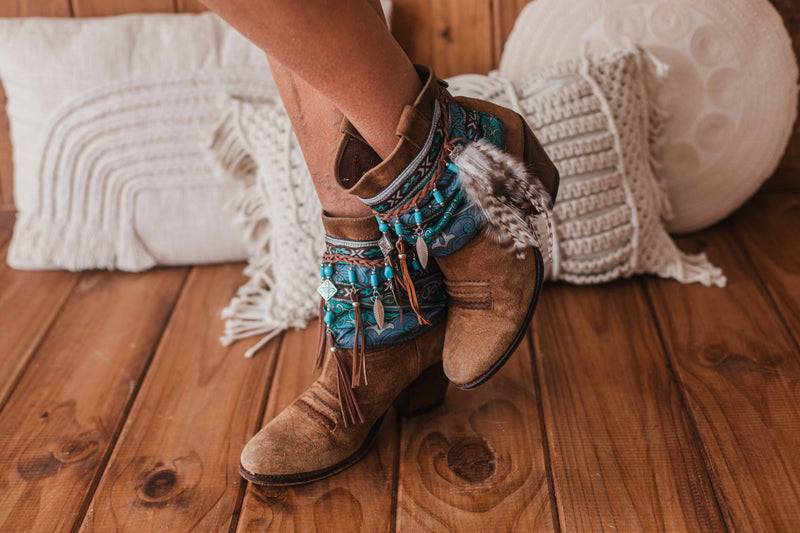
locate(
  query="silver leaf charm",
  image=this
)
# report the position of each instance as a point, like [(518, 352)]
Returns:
[(422, 252), (377, 309), (385, 246)]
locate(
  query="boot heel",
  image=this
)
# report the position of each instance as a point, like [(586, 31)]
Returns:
[(424, 393)]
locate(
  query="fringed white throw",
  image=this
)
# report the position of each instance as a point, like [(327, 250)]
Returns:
[(280, 217), (594, 118)]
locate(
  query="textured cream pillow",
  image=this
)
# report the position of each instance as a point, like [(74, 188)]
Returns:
[(108, 119), (596, 120)]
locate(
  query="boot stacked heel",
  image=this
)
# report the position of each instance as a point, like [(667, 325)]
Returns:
[(424, 393)]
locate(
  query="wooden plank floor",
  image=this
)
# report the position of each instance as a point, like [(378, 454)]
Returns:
[(640, 405)]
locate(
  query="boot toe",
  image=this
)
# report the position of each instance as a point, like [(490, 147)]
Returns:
[(491, 297), (288, 448), (477, 341)]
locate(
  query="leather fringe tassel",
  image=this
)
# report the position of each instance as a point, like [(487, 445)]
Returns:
[(351, 413), (320, 337), (408, 283), (359, 348)]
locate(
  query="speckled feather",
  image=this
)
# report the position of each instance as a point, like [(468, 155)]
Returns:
[(513, 201)]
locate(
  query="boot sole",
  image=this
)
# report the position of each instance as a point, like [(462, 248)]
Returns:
[(528, 316), (286, 480)]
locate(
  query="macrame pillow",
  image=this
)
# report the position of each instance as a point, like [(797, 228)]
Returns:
[(593, 118), (596, 120)]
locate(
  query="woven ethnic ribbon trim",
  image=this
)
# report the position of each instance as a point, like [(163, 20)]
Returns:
[(447, 227), (429, 284)]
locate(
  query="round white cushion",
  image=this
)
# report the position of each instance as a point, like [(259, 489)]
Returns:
[(731, 90)]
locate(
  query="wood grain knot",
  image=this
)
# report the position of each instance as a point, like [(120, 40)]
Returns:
[(447, 34), (761, 360), (338, 502), (270, 496), (471, 459), (38, 464), (171, 482), (159, 485), (77, 450)]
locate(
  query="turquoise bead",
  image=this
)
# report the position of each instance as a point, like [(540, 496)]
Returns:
[(383, 226), (415, 265), (398, 227), (373, 280), (438, 196), (388, 272), (329, 317), (322, 271), (418, 216), (351, 276), (328, 271), (452, 167)]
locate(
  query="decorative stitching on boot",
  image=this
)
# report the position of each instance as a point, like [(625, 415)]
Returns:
[(469, 294), (314, 414), (326, 399), (466, 282), (472, 305)]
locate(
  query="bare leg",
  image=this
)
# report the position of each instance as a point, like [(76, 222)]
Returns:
[(340, 48), (316, 122)]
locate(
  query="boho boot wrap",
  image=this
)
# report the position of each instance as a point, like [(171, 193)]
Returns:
[(374, 349), (469, 185)]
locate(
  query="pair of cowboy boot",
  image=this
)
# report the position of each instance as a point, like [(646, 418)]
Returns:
[(438, 287)]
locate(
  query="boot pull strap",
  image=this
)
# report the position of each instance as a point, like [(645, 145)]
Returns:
[(348, 128)]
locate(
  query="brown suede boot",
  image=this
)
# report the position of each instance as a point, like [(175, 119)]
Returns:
[(373, 351), (469, 185)]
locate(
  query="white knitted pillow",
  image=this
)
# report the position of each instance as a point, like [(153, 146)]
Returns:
[(592, 117), (595, 119)]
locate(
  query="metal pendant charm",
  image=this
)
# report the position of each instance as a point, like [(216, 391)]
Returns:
[(394, 294), (422, 252), (327, 289), (385, 245), (377, 309)]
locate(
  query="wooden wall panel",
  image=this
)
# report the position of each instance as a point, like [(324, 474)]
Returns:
[(35, 8), (190, 6), (102, 8), (6, 161), (504, 14), (452, 35)]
